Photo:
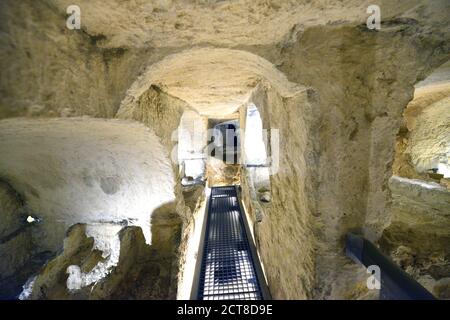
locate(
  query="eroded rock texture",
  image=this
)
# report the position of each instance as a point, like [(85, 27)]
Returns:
[(15, 240), (142, 271), (334, 90), (79, 170), (85, 171), (418, 236)]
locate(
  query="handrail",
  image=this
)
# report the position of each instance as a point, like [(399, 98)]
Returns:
[(396, 284)]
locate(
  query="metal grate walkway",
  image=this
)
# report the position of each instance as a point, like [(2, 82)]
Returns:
[(229, 268)]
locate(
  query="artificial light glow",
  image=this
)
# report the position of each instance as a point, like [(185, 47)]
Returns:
[(255, 149), (194, 168), (444, 169)]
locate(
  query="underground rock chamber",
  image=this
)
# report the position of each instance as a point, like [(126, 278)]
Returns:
[(113, 140), (97, 183)]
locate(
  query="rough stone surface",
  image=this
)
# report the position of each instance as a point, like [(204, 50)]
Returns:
[(197, 77), (358, 127), (418, 236), (442, 288), (51, 281), (337, 138), (221, 23), (12, 213), (265, 197), (142, 272), (82, 170), (157, 110), (16, 246), (14, 254), (422, 141), (48, 70), (429, 142), (292, 207)]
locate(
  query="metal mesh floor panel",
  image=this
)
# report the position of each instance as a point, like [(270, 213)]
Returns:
[(227, 270)]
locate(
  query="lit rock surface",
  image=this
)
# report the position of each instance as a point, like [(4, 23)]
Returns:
[(15, 237), (85, 171), (430, 141), (335, 90), (212, 81), (422, 143)]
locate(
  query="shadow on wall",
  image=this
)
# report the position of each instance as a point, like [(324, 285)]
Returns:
[(18, 255), (85, 171)]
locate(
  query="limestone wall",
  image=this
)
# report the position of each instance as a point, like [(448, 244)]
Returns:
[(82, 170), (429, 142), (417, 238), (361, 103), (15, 237), (49, 70), (290, 214), (338, 136), (422, 141)]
